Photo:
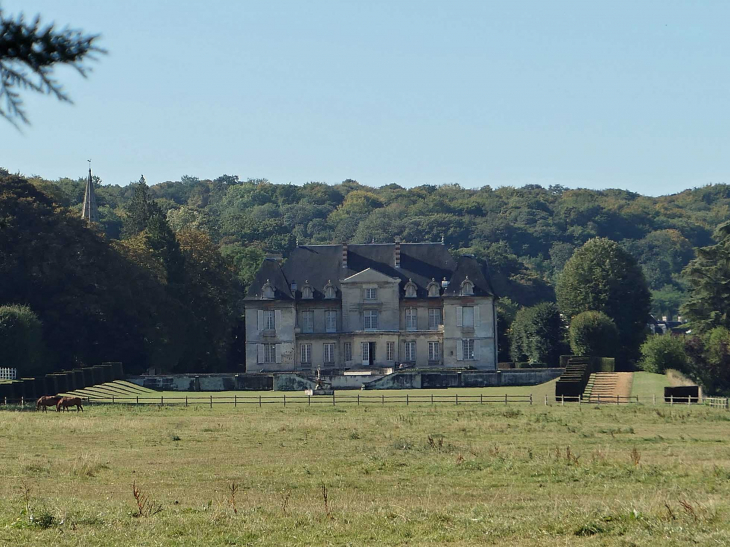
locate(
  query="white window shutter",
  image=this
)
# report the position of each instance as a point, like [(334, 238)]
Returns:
[(476, 350), (476, 316), (261, 353), (277, 320), (460, 349), (278, 353), (458, 316), (260, 321)]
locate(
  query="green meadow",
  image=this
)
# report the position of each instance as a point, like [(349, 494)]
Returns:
[(370, 475)]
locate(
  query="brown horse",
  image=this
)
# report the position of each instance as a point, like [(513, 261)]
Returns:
[(46, 401), (66, 402)]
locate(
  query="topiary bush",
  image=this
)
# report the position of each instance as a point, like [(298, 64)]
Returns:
[(593, 334)]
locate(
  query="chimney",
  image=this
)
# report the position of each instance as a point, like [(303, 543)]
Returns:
[(344, 255), (397, 252)]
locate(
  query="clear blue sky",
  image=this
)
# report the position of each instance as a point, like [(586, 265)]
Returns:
[(596, 94)]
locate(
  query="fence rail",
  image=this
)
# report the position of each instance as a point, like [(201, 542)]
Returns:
[(381, 400)]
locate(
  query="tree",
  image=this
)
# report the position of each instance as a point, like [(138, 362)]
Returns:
[(593, 334), (708, 360), (21, 340), (662, 352), (708, 277), (601, 276), (538, 334), (28, 56), (139, 210)]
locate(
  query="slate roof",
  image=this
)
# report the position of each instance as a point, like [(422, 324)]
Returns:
[(320, 264)]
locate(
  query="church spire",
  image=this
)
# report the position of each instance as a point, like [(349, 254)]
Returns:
[(90, 212)]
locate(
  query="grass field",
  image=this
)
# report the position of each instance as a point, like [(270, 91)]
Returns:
[(394, 475)]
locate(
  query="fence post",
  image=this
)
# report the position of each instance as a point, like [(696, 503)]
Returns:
[(333, 399), (546, 400), (137, 400), (162, 400), (358, 399), (457, 398), (309, 400), (186, 400), (382, 400), (530, 399), (211, 401), (562, 400), (671, 400), (617, 401), (481, 398), (259, 401), (431, 399), (505, 398), (406, 399), (285, 400), (689, 400), (599, 399), (112, 399), (6, 401), (22, 402), (235, 401)]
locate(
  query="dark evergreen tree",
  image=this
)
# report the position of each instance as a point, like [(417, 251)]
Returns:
[(28, 55), (139, 211), (708, 276), (538, 334)]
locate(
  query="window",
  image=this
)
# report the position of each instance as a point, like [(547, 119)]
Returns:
[(434, 351), (371, 294), (433, 288), (434, 318), (365, 351), (348, 351), (269, 353), (390, 348), (410, 289), (330, 317), (467, 287), (306, 351), (267, 290), (411, 319), (307, 321), (329, 353), (410, 353), (307, 293), (467, 347), (269, 322), (329, 290), (370, 319), (467, 316)]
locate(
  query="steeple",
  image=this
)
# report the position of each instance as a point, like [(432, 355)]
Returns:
[(90, 212)]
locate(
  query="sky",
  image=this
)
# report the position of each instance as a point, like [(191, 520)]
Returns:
[(618, 94)]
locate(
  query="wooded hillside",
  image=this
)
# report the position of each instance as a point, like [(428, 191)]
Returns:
[(526, 234)]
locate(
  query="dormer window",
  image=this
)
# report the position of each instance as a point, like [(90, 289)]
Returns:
[(410, 289), (433, 289), (329, 290), (307, 292), (267, 291), (467, 287)]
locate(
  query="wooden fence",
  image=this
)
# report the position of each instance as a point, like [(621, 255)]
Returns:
[(380, 400)]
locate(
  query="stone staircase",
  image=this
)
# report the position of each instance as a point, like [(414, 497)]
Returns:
[(603, 387)]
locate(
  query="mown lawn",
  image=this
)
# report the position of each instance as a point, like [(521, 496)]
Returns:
[(394, 475)]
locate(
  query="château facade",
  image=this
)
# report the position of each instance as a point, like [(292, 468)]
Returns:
[(340, 307)]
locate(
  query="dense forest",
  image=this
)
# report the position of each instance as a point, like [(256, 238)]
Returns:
[(525, 234), (162, 277)]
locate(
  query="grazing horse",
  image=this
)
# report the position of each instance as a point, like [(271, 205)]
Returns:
[(66, 402), (46, 401)]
